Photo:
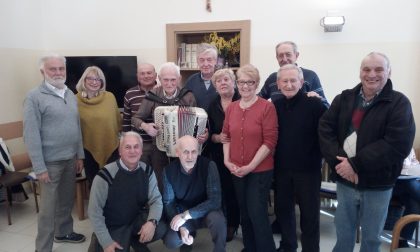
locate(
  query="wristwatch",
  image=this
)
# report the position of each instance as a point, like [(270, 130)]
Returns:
[(154, 221)]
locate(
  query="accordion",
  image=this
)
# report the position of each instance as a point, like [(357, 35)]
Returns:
[(175, 122)]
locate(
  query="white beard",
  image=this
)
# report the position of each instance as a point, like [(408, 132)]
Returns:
[(58, 82)]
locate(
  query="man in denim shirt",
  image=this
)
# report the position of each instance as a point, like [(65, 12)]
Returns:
[(192, 197)]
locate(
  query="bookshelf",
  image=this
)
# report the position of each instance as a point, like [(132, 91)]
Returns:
[(194, 33)]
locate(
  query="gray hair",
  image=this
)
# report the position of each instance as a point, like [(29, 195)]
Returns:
[(49, 56), (131, 133), (80, 87), (387, 62), (207, 48), (290, 67), (170, 65), (293, 44)]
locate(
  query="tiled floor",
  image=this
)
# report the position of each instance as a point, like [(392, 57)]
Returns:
[(20, 236)]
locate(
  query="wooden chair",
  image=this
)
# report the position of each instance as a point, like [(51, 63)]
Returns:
[(397, 230), (9, 179)]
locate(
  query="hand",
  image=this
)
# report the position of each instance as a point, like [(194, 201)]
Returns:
[(43, 177), (150, 128), (231, 166), (177, 222), (220, 138), (112, 247), (313, 94), (202, 138), (185, 236), (146, 232), (345, 170), (79, 166), (243, 171)]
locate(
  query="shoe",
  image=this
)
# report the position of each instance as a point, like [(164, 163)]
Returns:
[(185, 248), (284, 250), (403, 244), (71, 238), (230, 233), (275, 227)]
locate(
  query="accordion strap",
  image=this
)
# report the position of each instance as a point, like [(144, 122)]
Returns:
[(153, 97)]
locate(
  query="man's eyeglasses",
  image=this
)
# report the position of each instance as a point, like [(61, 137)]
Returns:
[(249, 83), (93, 79)]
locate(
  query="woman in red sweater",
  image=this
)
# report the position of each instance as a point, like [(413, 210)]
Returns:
[(251, 125)]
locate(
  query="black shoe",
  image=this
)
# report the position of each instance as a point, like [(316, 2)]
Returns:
[(275, 227), (285, 250), (185, 248), (71, 238), (403, 244), (230, 233)]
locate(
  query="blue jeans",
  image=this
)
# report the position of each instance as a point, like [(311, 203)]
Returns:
[(408, 191), (252, 193), (367, 207)]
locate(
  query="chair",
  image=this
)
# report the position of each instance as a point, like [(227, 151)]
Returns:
[(8, 180), (397, 230)]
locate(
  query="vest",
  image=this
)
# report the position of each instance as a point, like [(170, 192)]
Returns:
[(189, 189), (127, 195)]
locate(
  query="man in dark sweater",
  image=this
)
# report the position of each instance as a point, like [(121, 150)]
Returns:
[(287, 53), (125, 204), (192, 197), (200, 83), (297, 170)]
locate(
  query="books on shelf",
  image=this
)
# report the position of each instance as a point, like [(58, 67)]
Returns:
[(187, 55)]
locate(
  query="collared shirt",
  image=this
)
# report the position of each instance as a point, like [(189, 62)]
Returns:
[(125, 167), (365, 102), (57, 91), (207, 83), (171, 96)]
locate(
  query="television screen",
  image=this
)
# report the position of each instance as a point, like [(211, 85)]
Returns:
[(120, 72)]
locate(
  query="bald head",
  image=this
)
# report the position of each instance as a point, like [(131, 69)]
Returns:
[(146, 75), (187, 151)]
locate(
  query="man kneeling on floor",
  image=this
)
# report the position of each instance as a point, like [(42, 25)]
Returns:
[(121, 212), (192, 198)]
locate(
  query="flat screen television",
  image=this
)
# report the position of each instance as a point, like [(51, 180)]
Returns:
[(120, 72)]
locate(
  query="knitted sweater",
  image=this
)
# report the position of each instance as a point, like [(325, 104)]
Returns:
[(100, 122), (99, 197), (51, 127)]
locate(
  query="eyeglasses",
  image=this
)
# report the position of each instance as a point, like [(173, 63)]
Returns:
[(249, 83), (93, 79)]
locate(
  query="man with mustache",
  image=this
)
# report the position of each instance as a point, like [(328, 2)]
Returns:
[(54, 142)]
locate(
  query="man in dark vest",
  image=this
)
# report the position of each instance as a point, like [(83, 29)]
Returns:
[(192, 197), (125, 205)]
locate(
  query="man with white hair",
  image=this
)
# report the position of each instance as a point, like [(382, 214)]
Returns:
[(167, 94), (54, 142), (125, 205)]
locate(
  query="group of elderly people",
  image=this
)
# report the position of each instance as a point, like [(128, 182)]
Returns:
[(364, 137)]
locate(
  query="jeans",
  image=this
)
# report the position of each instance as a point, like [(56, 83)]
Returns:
[(252, 192), (367, 207), (408, 192)]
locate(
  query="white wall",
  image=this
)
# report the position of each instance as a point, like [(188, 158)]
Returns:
[(137, 27)]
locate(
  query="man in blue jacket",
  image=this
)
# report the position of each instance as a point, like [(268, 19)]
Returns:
[(365, 136)]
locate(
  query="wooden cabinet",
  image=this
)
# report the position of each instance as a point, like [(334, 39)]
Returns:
[(194, 33)]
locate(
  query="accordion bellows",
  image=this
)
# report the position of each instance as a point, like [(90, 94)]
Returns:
[(175, 122)]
